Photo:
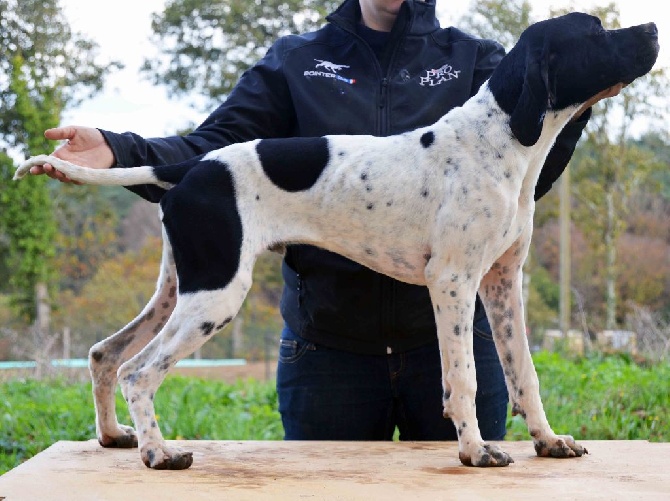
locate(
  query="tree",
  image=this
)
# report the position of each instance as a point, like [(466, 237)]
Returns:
[(87, 234), (44, 67), (209, 44), (56, 63), (500, 20), (27, 217), (613, 166)]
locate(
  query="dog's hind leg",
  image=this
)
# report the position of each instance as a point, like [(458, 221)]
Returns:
[(453, 294), (106, 357), (501, 293), (196, 318)]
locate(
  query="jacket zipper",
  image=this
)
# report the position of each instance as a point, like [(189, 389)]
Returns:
[(383, 98)]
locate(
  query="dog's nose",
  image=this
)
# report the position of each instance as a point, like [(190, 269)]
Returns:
[(651, 29)]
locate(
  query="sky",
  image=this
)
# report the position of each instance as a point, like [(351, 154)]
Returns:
[(129, 102)]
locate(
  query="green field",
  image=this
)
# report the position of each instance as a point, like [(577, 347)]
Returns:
[(595, 398)]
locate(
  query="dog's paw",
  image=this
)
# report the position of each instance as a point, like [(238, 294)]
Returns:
[(562, 446), (160, 458), (486, 455), (125, 438)]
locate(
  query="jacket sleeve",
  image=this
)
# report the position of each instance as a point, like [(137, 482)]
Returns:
[(489, 55), (259, 106), (560, 154)]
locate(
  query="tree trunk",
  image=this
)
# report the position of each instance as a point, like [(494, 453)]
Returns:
[(565, 313), (610, 264), (43, 309), (42, 343)]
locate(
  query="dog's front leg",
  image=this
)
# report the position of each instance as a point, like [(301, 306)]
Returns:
[(453, 295), (501, 293)]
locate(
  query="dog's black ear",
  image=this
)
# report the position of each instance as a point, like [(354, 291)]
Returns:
[(528, 115)]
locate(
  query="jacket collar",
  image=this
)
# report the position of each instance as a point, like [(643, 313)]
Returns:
[(415, 17)]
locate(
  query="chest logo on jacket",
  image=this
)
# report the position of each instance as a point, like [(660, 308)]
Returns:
[(435, 77), (326, 69)]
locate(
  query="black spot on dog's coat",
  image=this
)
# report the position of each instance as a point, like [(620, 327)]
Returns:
[(427, 139), (207, 328), (293, 164), (224, 323)]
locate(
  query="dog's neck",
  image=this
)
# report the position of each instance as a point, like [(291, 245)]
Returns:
[(483, 110)]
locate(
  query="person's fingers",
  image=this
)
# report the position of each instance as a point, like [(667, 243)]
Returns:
[(60, 133), (52, 172), (36, 170)]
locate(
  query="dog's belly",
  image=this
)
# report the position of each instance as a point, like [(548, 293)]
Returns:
[(401, 264)]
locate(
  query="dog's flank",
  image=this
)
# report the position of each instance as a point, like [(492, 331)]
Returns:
[(449, 206)]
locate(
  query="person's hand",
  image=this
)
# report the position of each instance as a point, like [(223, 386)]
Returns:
[(83, 146), (611, 92)]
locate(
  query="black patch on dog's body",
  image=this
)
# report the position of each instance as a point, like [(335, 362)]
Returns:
[(194, 214), (293, 164), (175, 173)]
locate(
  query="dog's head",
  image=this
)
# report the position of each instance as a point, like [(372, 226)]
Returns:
[(565, 61)]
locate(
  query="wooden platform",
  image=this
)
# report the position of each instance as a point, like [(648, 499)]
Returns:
[(369, 471)]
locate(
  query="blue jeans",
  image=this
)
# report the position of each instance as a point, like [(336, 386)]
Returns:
[(327, 394)]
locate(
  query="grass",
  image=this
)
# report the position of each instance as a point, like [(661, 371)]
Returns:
[(599, 398), (36, 414)]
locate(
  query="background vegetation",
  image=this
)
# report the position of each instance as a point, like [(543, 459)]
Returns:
[(609, 398)]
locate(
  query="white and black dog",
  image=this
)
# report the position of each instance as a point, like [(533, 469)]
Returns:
[(449, 206)]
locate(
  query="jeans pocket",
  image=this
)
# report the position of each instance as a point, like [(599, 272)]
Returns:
[(291, 350)]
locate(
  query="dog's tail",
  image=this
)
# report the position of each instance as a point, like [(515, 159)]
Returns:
[(108, 177)]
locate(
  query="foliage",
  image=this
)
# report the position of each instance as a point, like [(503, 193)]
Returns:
[(87, 234), (608, 398), (656, 142), (209, 44), (113, 296), (500, 20), (61, 67), (124, 283), (26, 218), (44, 67), (601, 398), (543, 297), (36, 414)]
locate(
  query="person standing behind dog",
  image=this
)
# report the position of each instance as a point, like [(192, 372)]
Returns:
[(358, 355)]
